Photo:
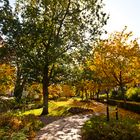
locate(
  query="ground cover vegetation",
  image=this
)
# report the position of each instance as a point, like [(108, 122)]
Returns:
[(99, 129)]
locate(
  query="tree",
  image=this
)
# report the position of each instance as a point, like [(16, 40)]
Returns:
[(115, 60), (6, 78), (53, 30), (10, 28)]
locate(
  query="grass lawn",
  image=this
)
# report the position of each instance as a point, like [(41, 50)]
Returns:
[(60, 108), (56, 108)]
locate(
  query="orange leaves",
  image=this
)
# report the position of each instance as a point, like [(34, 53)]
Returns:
[(15, 123), (116, 59), (54, 91), (7, 77), (67, 91)]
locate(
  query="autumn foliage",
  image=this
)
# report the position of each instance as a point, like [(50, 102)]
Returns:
[(116, 61)]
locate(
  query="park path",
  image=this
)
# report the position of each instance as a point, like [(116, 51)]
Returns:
[(68, 128)]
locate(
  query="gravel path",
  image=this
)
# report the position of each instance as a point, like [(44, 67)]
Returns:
[(68, 128), (64, 129)]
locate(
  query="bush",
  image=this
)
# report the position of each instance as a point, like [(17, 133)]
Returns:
[(128, 105), (18, 136), (133, 94), (98, 128), (6, 104), (116, 94), (18, 127), (77, 110)]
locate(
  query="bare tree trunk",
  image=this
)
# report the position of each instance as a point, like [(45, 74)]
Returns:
[(122, 87), (82, 96), (98, 94), (19, 85), (18, 90), (86, 93), (107, 107), (123, 92), (45, 83)]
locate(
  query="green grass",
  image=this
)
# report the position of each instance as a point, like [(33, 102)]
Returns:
[(60, 108), (36, 112), (56, 108)]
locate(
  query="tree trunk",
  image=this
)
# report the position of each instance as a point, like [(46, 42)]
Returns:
[(86, 95), (91, 95), (19, 86), (98, 94), (123, 92), (122, 87), (82, 96), (18, 91), (45, 83), (107, 107)]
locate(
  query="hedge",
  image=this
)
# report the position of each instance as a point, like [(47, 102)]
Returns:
[(132, 106)]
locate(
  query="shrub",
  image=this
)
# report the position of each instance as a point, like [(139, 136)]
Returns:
[(77, 110), (98, 128), (6, 104), (18, 127), (133, 94), (128, 105), (116, 94), (18, 136)]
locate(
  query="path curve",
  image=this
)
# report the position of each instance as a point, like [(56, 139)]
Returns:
[(68, 128)]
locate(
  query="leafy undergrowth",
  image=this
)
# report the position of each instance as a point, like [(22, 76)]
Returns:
[(97, 128), (14, 127)]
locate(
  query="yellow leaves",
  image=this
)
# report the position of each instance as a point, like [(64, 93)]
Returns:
[(67, 91), (92, 67), (116, 59), (55, 90), (7, 77), (15, 123)]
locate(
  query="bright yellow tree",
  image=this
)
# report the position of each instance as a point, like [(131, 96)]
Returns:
[(116, 60)]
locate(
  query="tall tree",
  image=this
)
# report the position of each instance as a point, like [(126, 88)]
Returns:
[(116, 60), (52, 30)]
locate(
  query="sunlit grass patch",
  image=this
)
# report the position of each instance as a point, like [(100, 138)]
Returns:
[(56, 108), (36, 112)]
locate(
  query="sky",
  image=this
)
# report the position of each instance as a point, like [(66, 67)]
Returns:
[(122, 13)]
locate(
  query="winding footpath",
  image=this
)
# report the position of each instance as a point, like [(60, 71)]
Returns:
[(64, 129), (68, 128)]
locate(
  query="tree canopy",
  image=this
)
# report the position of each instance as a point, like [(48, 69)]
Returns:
[(116, 60), (42, 35)]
